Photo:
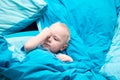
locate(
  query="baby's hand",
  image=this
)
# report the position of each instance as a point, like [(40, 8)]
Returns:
[(64, 57), (46, 33)]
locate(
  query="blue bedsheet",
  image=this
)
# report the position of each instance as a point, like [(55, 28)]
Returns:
[(5, 54), (42, 65), (91, 23), (91, 35)]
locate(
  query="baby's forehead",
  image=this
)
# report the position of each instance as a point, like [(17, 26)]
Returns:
[(61, 28)]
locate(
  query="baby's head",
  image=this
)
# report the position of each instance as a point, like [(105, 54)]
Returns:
[(59, 39), (62, 30)]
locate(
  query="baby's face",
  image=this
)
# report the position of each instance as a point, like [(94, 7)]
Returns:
[(57, 41)]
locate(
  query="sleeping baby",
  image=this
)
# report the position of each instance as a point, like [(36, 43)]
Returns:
[(55, 39)]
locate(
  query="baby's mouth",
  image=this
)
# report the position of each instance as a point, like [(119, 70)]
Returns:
[(46, 46)]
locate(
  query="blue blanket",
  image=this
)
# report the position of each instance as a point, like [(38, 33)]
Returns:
[(92, 26), (91, 23), (5, 54), (42, 65)]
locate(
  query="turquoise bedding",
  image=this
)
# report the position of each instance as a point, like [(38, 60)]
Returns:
[(111, 68), (92, 25), (41, 65)]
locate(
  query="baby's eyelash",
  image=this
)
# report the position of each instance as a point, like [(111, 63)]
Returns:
[(55, 38)]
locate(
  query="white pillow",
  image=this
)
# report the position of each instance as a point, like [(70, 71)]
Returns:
[(15, 15)]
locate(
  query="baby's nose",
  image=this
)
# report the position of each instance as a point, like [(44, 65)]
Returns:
[(49, 39)]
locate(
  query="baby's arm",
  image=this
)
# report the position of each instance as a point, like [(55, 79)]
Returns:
[(64, 57), (37, 40)]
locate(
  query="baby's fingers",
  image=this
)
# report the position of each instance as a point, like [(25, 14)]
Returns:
[(64, 57)]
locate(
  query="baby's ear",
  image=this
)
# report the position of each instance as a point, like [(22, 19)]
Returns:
[(64, 47)]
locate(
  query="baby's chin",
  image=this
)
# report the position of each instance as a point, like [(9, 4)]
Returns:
[(45, 47)]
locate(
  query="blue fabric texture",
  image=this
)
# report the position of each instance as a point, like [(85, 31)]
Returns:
[(5, 54), (91, 24), (42, 65), (117, 3), (112, 63), (18, 14)]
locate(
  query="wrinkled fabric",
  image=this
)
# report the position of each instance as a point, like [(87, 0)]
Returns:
[(91, 24)]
